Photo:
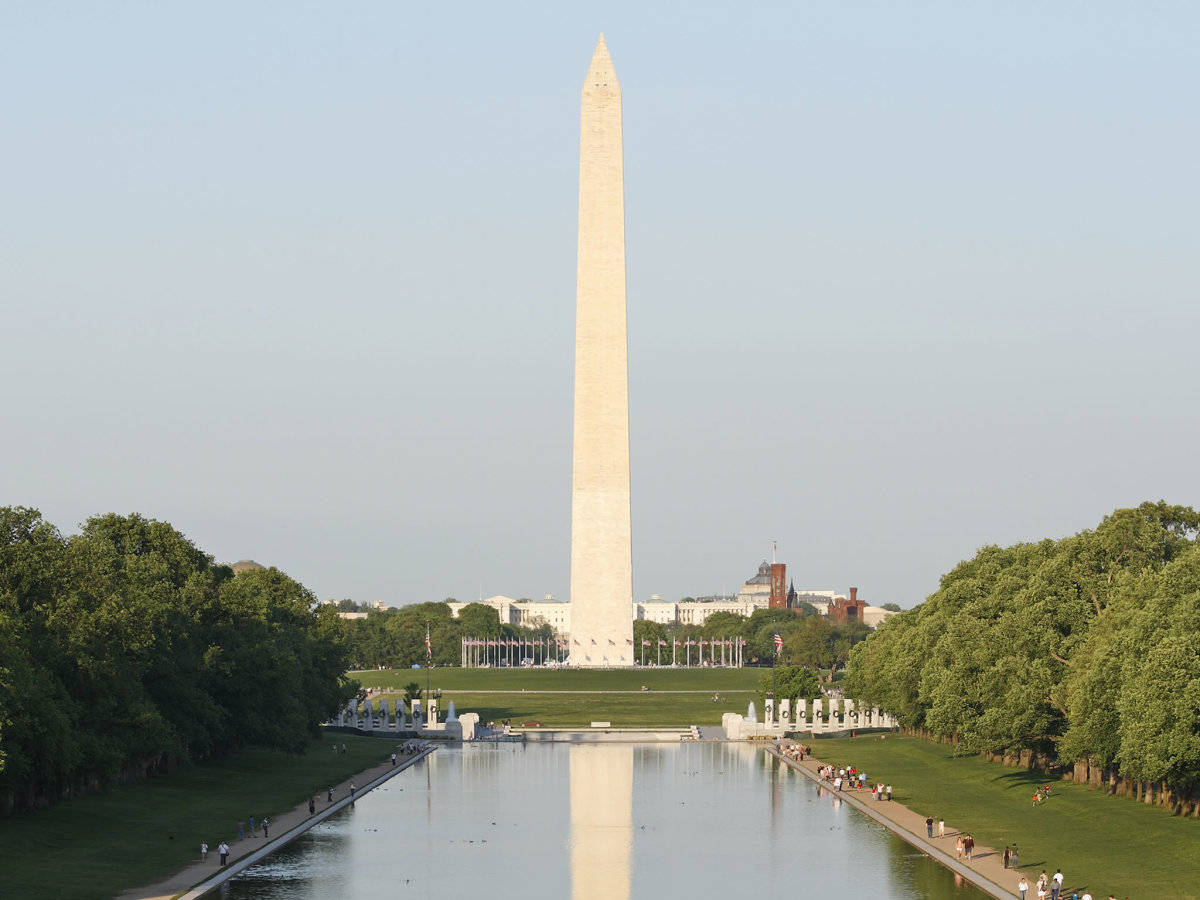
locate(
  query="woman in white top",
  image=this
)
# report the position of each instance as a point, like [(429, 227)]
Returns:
[(1022, 887)]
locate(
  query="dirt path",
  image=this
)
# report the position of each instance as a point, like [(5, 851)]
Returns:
[(280, 825), (985, 861)]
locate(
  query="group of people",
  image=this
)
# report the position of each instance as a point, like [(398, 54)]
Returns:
[(1046, 887), (222, 851), (795, 751), (964, 846), (1041, 794), (1010, 856), (850, 778), (223, 846)]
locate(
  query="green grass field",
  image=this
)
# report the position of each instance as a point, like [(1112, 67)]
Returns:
[(660, 679), (1106, 844), (637, 710), (544, 695), (99, 845)]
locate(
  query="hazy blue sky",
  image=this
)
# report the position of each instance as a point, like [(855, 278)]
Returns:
[(904, 279)]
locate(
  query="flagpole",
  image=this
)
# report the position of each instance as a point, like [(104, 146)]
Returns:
[(774, 662)]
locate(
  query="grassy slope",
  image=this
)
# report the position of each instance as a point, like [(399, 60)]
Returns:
[(664, 679), (1107, 844), (622, 710), (98, 845), (640, 709)]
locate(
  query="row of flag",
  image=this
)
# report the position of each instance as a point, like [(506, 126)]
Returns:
[(562, 642)]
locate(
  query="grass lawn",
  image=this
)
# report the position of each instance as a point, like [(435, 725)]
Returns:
[(1106, 844), (639, 710), (99, 845), (526, 695), (657, 679)]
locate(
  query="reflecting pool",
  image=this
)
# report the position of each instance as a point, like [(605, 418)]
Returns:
[(593, 821)]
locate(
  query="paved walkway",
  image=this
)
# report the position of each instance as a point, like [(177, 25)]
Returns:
[(986, 867), (285, 827)]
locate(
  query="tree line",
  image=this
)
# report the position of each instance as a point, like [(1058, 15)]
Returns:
[(124, 649), (395, 636), (1083, 649)]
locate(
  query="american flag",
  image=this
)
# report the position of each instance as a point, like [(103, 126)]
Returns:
[(645, 643), (428, 646), (662, 643), (778, 643)]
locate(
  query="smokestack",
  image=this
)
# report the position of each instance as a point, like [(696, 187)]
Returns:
[(853, 595)]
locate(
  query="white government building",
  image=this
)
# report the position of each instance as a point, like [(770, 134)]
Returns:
[(754, 594)]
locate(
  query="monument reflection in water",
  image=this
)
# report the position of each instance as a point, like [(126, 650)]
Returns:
[(597, 821), (601, 821)]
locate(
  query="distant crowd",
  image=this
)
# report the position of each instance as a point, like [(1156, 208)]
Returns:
[(851, 778)]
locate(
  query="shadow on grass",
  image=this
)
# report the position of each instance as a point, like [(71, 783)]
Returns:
[(1021, 778)]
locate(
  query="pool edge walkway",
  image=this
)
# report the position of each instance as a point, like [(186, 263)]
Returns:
[(981, 881), (161, 891)]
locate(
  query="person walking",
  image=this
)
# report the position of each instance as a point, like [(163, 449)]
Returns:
[(1014, 856), (1056, 885), (241, 831), (889, 792), (223, 850), (969, 845), (941, 827), (929, 826), (203, 851), (312, 805), (1022, 887), (958, 847), (352, 789), (266, 823), (1006, 856), (329, 797), (252, 826), (393, 759)]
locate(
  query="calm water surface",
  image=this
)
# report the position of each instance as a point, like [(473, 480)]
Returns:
[(598, 822)]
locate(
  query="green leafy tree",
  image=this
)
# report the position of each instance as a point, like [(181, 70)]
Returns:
[(790, 683), (1079, 648)]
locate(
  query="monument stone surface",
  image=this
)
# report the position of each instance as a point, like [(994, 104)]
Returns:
[(601, 542)]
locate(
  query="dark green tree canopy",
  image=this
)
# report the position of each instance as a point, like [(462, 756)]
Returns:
[(1079, 648), (126, 643)]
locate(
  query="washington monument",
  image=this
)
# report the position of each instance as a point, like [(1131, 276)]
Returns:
[(601, 542)]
